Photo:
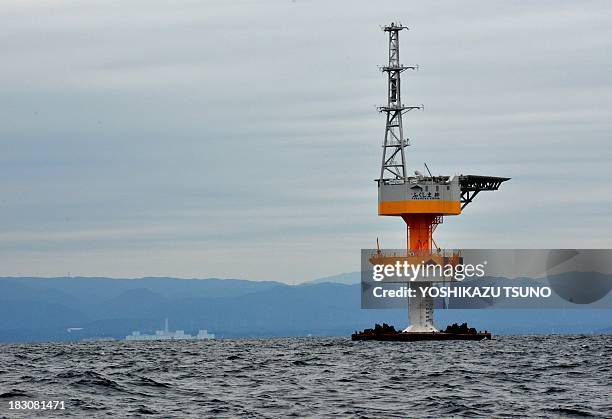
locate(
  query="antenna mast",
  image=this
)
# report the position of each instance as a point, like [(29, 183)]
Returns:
[(394, 159)]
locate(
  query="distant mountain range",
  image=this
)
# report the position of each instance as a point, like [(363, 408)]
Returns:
[(349, 278), (44, 309)]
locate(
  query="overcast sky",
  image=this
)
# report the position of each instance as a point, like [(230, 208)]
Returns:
[(239, 139)]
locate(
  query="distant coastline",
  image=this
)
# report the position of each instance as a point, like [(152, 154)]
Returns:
[(43, 309)]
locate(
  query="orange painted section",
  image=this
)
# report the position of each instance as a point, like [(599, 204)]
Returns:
[(419, 207), (419, 230)]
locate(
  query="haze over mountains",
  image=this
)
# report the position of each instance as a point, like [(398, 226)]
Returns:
[(44, 309)]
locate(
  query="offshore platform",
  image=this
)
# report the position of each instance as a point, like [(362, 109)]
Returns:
[(420, 200)]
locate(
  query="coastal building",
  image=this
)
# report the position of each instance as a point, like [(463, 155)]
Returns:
[(166, 334)]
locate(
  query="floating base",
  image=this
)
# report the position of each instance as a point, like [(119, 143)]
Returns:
[(418, 336)]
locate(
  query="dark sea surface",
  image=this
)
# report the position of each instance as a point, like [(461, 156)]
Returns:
[(508, 376)]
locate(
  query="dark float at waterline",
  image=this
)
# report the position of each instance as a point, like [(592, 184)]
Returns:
[(387, 333)]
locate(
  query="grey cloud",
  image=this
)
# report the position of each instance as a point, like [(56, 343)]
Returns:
[(219, 137)]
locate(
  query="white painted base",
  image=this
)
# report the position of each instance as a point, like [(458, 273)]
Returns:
[(420, 315), (420, 329)]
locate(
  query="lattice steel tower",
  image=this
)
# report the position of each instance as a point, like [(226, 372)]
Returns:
[(394, 157)]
